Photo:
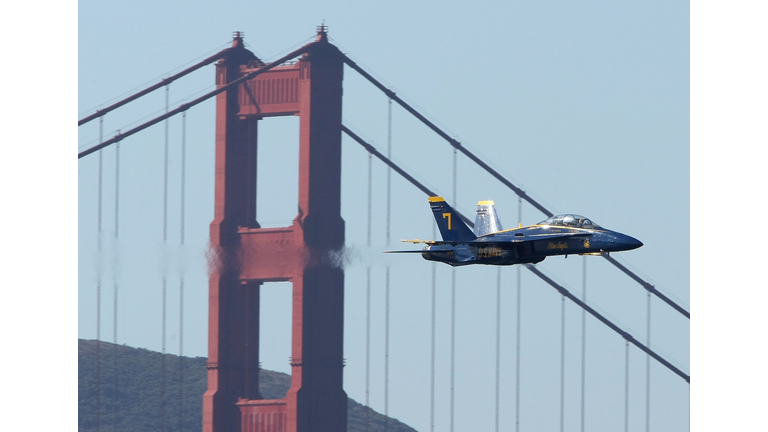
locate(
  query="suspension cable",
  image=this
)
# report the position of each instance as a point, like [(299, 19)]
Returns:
[(165, 170), (186, 106), (432, 373), (626, 389), (605, 321), (451, 141), (116, 275), (98, 292), (562, 365), (648, 287), (520, 193), (453, 341), (181, 276), (389, 170), (583, 337), (164, 82), (386, 290), (453, 310), (498, 342), (648, 372), (517, 328), (368, 303), (386, 350), (533, 269), (164, 282)]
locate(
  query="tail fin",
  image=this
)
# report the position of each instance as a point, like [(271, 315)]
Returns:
[(452, 228), (486, 220)]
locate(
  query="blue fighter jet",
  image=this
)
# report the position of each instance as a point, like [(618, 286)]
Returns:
[(566, 234)]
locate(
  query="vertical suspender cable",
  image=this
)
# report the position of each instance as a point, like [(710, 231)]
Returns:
[(368, 303), (517, 328), (498, 342), (116, 276), (386, 290), (98, 293), (165, 238), (432, 374), (181, 275), (389, 170), (648, 372), (386, 353), (583, 337), (453, 307), (626, 389), (562, 365), (453, 339)]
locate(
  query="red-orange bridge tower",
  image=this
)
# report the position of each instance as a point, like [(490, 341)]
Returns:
[(303, 253)]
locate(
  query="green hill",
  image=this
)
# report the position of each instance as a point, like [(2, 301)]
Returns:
[(130, 400)]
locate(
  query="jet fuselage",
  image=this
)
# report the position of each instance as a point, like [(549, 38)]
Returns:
[(529, 244), (565, 234)]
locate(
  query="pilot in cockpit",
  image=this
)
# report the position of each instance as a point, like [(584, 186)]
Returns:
[(570, 220)]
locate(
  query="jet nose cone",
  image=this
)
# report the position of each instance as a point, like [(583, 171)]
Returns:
[(625, 242)]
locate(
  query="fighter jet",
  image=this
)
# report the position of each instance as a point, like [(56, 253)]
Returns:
[(565, 234)]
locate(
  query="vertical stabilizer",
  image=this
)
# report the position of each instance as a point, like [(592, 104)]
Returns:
[(452, 228), (486, 220)]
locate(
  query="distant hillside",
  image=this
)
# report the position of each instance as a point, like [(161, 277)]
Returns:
[(132, 403)]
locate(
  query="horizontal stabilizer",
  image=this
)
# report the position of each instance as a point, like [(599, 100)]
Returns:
[(408, 251)]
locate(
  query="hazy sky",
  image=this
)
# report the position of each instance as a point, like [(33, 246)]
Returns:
[(584, 106)]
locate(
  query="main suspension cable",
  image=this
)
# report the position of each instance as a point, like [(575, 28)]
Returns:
[(605, 321), (533, 269), (183, 107), (520, 193), (164, 82)]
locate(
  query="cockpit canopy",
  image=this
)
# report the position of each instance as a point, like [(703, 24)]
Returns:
[(570, 220)]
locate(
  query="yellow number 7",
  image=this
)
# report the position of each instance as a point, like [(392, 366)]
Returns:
[(448, 215)]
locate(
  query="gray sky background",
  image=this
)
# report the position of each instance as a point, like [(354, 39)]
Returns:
[(587, 107)]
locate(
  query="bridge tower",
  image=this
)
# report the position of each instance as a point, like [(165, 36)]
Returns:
[(245, 255)]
